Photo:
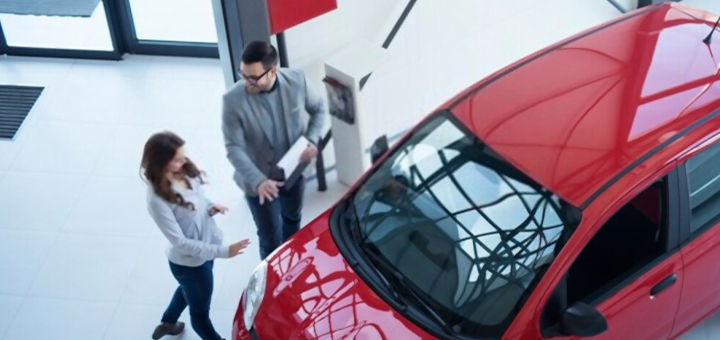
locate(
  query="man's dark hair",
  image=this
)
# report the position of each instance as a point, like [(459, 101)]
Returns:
[(262, 52)]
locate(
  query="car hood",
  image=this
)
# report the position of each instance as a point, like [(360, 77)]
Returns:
[(313, 293)]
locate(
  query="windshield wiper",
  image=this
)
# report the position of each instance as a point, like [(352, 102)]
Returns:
[(353, 220), (419, 301), (354, 225), (351, 216), (390, 289)]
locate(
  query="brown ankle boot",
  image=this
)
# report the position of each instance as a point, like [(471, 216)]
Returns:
[(164, 329)]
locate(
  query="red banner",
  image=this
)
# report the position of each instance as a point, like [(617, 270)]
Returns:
[(288, 13)]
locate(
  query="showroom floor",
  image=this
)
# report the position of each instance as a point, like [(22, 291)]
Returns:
[(79, 255)]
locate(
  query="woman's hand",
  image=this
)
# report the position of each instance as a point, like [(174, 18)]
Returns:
[(217, 208), (236, 249)]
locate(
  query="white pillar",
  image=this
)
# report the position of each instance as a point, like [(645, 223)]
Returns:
[(348, 67)]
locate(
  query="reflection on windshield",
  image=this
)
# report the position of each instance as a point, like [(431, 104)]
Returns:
[(469, 232)]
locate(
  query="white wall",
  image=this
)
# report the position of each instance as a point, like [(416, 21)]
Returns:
[(310, 43)]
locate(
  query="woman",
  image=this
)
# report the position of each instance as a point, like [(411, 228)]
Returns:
[(177, 204)]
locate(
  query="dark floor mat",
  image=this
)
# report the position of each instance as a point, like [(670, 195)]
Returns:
[(15, 104)]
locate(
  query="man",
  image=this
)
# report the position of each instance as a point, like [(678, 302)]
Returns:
[(261, 121)]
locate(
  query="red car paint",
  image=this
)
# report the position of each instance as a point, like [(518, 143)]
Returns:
[(574, 117)]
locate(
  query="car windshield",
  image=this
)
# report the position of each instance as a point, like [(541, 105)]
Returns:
[(469, 234)]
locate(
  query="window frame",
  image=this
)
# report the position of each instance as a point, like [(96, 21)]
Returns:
[(3, 45), (134, 45), (115, 54), (124, 40)]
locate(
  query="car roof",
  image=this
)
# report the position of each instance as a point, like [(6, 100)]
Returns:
[(578, 115)]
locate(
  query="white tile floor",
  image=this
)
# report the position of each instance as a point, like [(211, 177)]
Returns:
[(79, 256)]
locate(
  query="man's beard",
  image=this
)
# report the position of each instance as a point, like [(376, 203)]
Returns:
[(254, 89)]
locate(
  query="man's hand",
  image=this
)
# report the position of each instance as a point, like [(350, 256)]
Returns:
[(310, 152), (269, 190), (217, 208)]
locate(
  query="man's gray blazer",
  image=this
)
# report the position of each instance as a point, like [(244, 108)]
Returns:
[(248, 143)]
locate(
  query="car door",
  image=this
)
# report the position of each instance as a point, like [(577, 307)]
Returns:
[(700, 226), (631, 273)]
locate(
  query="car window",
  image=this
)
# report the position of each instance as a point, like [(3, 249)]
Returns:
[(630, 239), (624, 246), (703, 175)]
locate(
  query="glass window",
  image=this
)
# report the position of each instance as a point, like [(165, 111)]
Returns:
[(469, 233), (703, 174), (174, 20), (72, 33)]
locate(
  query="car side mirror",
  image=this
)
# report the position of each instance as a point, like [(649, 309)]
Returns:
[(379, 148), (583, 320)]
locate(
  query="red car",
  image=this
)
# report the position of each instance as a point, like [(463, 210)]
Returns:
[(574, 194)]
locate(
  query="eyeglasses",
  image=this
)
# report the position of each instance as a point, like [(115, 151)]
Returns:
[(253, 79)]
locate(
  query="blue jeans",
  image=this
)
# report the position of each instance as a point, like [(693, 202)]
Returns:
[(195, 291), (276, 221)]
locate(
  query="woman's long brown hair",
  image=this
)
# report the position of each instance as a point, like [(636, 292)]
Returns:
[(159, 150)]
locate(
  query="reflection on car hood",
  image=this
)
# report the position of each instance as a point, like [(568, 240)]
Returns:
[(313, 293)]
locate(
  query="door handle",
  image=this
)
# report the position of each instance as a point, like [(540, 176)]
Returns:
[(664, 284)]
